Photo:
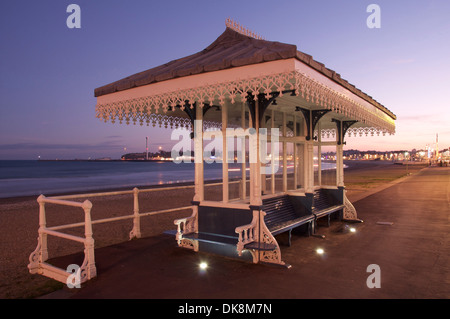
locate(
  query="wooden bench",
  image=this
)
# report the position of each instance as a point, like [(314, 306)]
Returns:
[(232, 232), (218, 225), (216, 231), (324, 204), (282, 216)]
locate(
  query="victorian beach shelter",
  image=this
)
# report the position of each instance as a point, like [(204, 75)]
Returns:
[(283, 109)]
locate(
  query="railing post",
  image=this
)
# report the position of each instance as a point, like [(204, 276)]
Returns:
[(90, 269), (40, 254), (136, 231), (42, 225)]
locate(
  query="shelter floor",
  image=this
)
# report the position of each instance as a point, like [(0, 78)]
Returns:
[(405, 231)]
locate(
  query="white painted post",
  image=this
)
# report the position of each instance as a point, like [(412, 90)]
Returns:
[(339, 160), (251, 165), (198, 154), (243, 168), (255, 178), (309, 167), (339, 165), (263, 152), (225, 190), (89, 241), (43, 256), (136, 231), (258, 200), (302, 155), (319, 155), (309, 160), (272, 162), (284, 154), (295, 153)]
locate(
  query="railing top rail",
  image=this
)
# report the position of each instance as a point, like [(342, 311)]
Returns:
[(145, 190), (85, 204), (85, 195)]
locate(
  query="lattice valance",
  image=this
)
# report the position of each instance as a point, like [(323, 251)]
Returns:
[(158, 108)]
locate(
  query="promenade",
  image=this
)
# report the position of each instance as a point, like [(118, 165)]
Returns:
[(405, 232)]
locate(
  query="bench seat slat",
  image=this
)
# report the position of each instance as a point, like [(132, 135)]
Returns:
[(328, 210), (287, 225), (228, 240), (260, 246)]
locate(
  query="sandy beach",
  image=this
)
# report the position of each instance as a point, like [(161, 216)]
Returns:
[(19, 222)]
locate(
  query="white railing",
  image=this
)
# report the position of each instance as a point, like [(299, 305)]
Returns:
[(136, 216), (39, 256)]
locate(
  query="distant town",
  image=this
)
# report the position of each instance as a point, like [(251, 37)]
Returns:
[(158, 156), (400, 155), (414, 155)]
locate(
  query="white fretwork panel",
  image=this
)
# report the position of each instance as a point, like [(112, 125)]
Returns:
[(140, 110)]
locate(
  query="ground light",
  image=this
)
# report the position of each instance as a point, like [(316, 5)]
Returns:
[(352, 229), (203, 266), (320, 251)]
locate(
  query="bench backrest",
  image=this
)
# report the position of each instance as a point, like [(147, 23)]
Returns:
[(278, 210), (222, 220), (323, 199)]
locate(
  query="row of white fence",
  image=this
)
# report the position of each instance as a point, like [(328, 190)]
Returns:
[(87, 270)]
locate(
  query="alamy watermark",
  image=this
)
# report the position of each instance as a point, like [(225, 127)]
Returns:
[(374, 19), (259, 149), (74, 279), (74, 19), (374, 279)]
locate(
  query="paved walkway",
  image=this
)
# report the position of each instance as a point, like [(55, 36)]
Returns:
[(405, 232)]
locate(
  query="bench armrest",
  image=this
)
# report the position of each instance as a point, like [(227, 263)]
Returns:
[(184, 226), (247, 233)]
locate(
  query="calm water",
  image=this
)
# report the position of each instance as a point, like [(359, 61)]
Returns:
[(29, 178)]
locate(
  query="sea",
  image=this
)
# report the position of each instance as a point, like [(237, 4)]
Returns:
[(35, 177)]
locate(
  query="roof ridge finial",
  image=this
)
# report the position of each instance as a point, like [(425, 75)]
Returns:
[(241, 29)]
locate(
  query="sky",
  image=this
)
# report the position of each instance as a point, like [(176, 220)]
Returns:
[(48, 72)]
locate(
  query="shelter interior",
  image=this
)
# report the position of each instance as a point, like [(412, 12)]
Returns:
[(272, 112)]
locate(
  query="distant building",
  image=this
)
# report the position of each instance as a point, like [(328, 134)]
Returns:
[(161, 155)]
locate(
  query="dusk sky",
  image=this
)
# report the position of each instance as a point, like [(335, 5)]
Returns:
[(49, 72)]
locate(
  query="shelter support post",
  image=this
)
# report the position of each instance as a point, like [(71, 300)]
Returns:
[(136, 231), (349, 212), (272, 159), (190, 224), (225, 186), (198, 155), (300, 148), (319, 155), (284, 154), (295, 153), (254, 159), (263, 160), (309, 166), (339, 166), (244, 160)]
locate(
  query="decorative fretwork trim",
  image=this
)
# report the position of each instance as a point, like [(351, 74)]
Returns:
[(349, 210), (355, 131), (241, 29), (144, 109)]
